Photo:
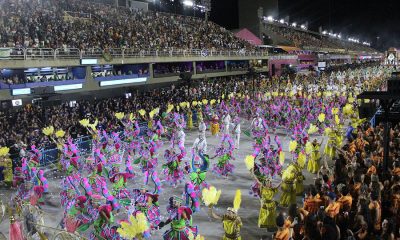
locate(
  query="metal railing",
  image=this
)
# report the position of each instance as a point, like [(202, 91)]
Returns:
[(124, 53)]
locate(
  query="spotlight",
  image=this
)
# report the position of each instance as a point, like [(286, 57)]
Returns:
[(188, 3)]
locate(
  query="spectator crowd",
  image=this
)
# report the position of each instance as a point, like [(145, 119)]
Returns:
[(303, 38), (47, 24)]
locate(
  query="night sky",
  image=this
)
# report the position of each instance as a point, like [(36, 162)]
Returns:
[(365, 20)]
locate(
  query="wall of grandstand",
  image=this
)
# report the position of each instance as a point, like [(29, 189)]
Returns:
[(90, 85)]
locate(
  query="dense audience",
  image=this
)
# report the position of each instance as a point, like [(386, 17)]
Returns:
[(45, 24), (302, 38), (23, 78), (32, 118), (358, 198)]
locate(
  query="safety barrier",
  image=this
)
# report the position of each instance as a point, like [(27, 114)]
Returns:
[(74, 53)]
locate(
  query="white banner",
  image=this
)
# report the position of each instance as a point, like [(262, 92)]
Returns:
[(138, 5), (5, 53)]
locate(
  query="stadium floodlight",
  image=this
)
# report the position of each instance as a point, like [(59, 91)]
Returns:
[(188, 3), (282, 21), (270, 19), (303, 27), (294, 24), (324, 32), (339, 36)]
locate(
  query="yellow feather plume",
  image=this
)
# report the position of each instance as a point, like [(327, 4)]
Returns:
[(182, 104), (237, 200), (223, 96), (321, 117), (281, 158), (309, 148), (348, 109), (249, 161), (275, 94), (328, 131), (199, 237), (211, 196), (194, 103), (267, 94), (131, 117), (319, 94), (337, 119), (170, 108), (4, 151), (84, 122), (135, 228), (213, 101), (301, 160), (292, 146), (60, 133), (142, 112), (312, 129), (119, 115), (151, 114), (335, 111), (177, 108), (351, 100), (205, 101), (48, 130)]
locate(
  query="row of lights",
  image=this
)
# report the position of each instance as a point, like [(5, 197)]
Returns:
[(335, 35), (282, 21), (189, 3)]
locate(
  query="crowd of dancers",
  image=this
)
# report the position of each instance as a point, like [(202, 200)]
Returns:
[(98, 202)]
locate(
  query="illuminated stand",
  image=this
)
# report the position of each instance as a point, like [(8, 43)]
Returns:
[(392, 57)]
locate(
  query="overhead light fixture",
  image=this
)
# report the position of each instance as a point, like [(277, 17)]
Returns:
[(123, 81), (294, 24), (282, 21), (68, 87), (270, 19), (188, 3)]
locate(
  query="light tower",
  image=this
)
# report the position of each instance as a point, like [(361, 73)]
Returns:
[(207, 7)]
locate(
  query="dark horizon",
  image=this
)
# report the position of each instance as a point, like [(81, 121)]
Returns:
[(365, 20)]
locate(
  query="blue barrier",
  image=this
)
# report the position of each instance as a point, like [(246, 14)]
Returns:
[(49, 156)]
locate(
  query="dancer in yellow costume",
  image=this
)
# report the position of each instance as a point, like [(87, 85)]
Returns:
[(190, 119), (267, 216), (199, 116), (214, 125), (6, 166), (315, 157), (299, 186), (335, 139), (288, 186), (231, 221)]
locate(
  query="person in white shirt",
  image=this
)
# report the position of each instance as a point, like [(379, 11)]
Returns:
[(227, 122), (256, 124), (200, 145), (236, 132), (181, 136), (202, 128)]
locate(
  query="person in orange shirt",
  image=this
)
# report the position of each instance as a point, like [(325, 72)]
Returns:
[(333, 208), (345, 200), (283, 232), (312, 202), (376, 212)]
